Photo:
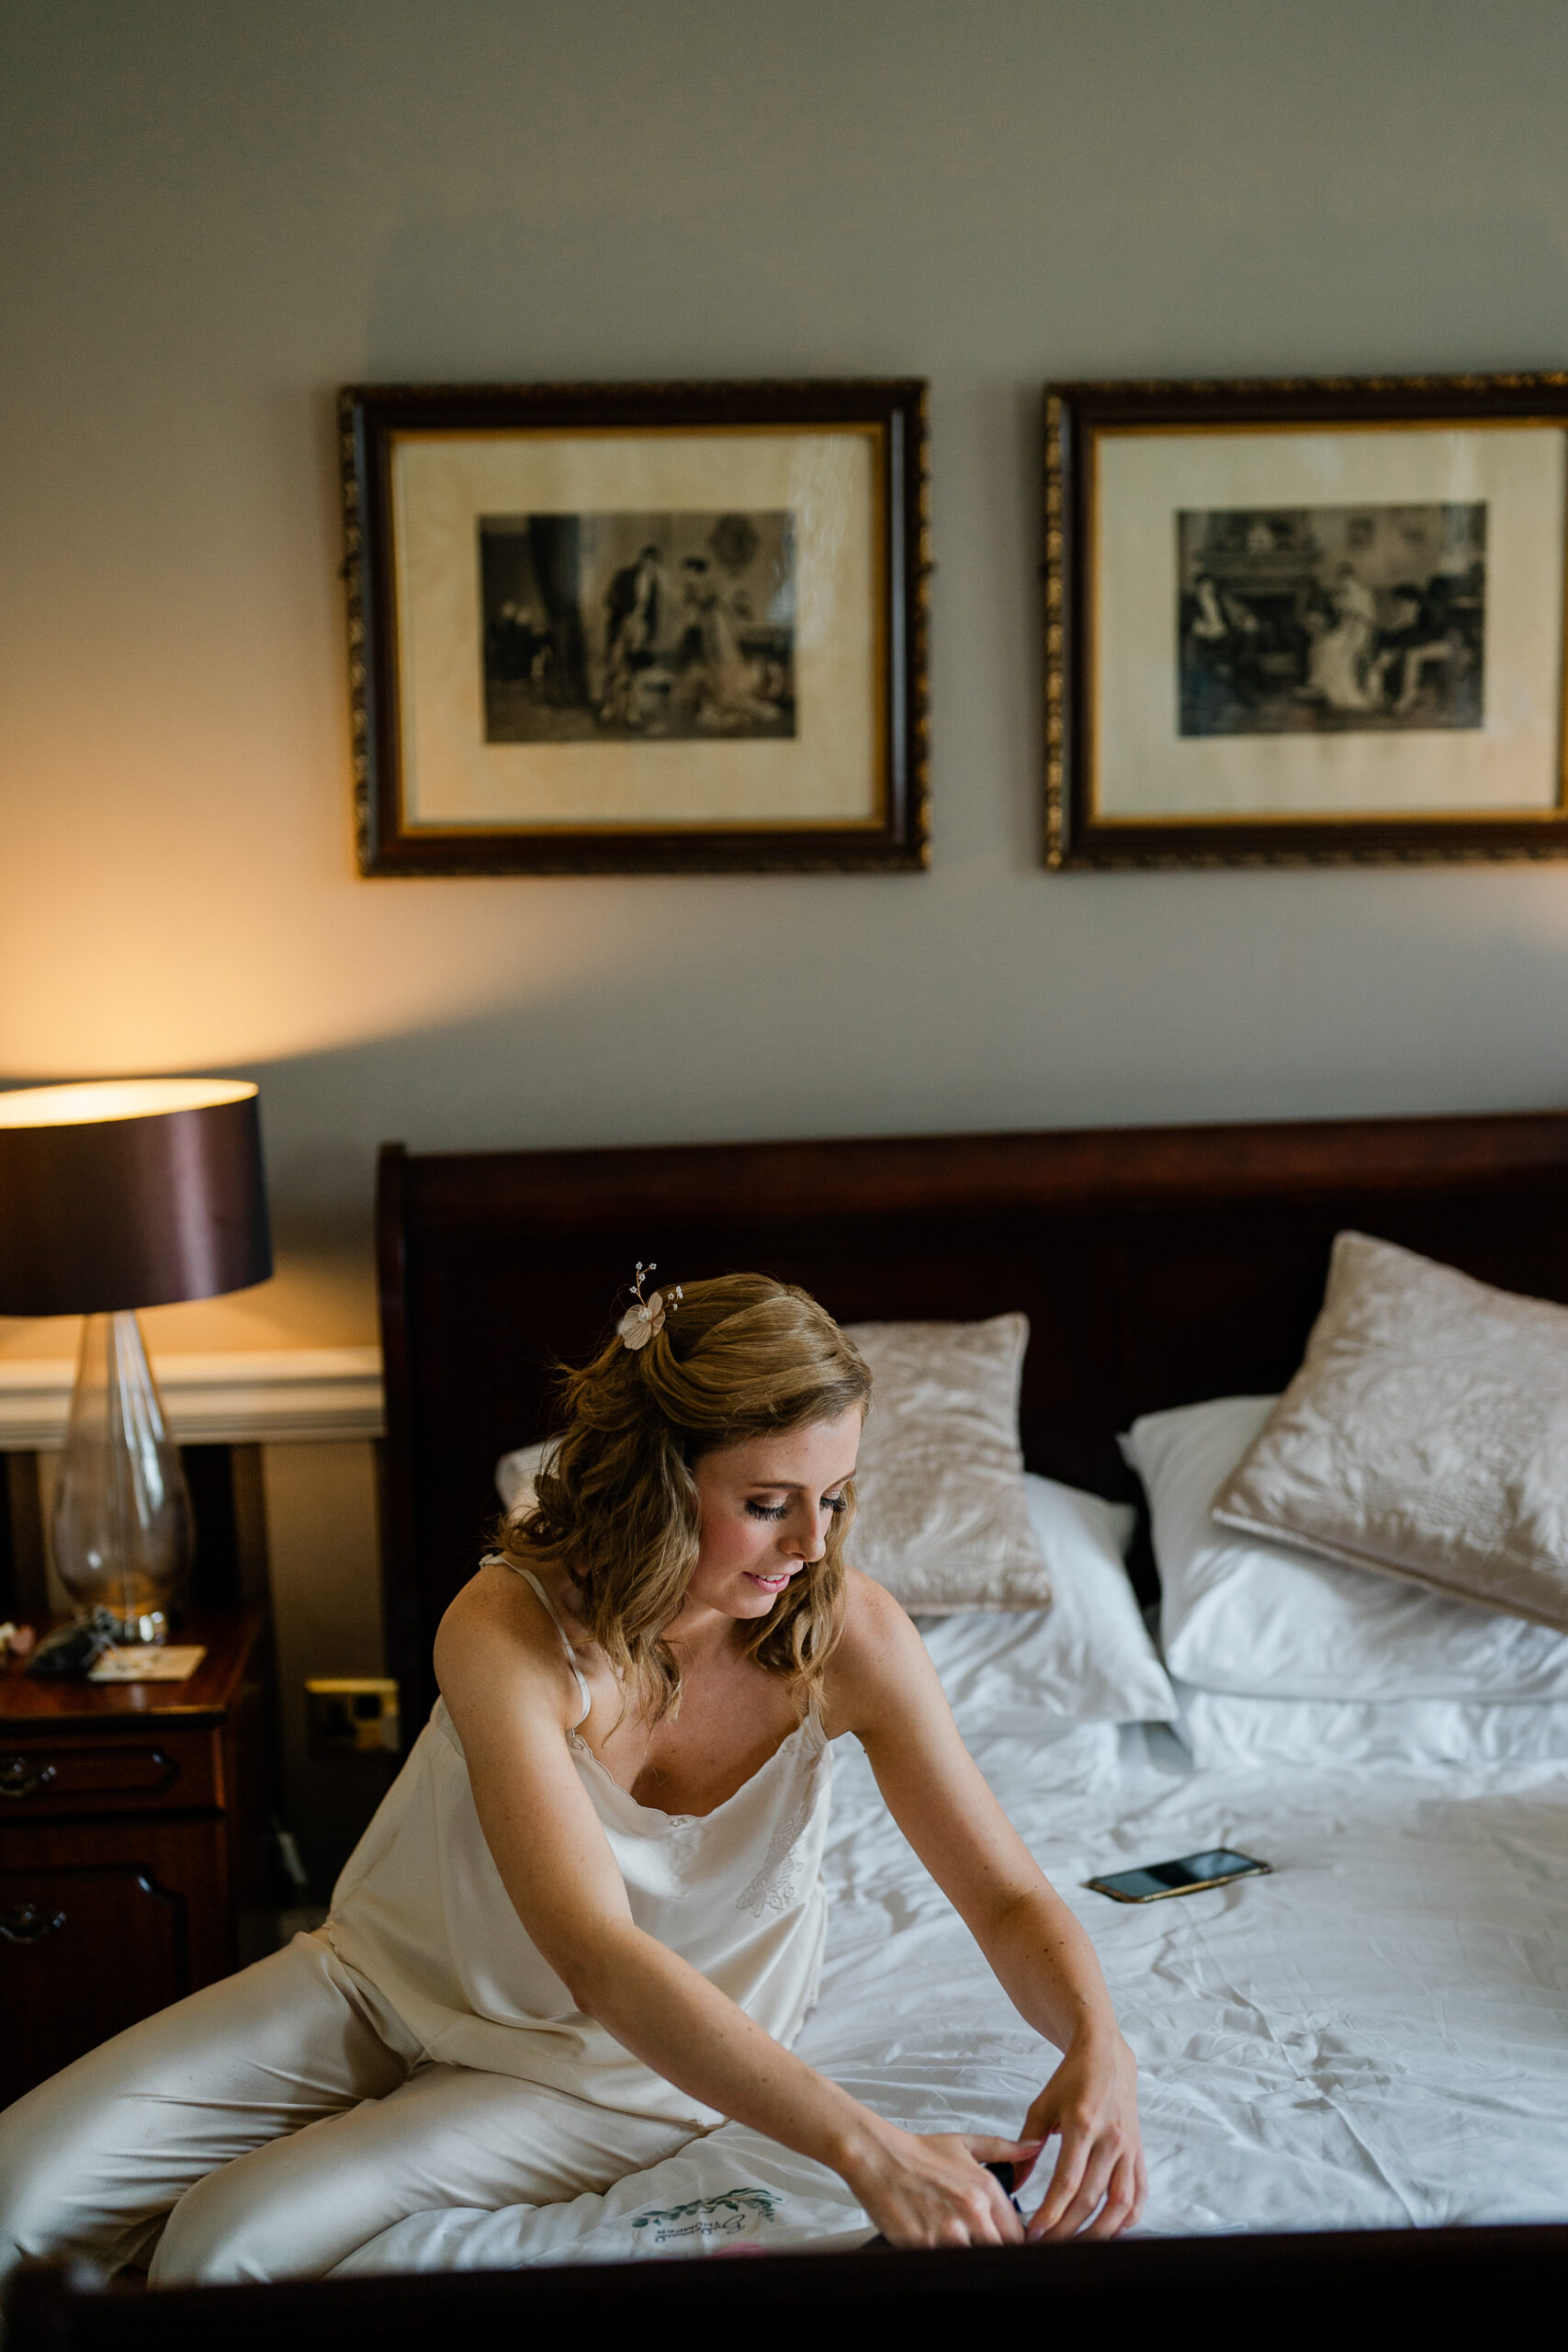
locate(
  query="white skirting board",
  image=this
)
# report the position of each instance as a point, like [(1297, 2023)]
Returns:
[(253, 1397)]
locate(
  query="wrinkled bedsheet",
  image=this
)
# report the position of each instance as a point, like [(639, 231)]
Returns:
[(1375, 2035)]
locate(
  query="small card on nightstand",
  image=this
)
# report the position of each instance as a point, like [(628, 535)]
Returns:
[(147, 1662)]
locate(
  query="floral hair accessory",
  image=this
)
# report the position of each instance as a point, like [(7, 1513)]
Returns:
[(645, 1319)]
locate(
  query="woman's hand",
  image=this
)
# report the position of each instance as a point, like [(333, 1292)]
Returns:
[(932, 2189), (1099, 2186)]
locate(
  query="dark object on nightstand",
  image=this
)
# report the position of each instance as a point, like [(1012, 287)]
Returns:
[(67, 1653), (132, 1837)]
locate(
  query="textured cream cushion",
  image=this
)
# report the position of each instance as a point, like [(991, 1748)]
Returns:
[(941, 1515), (1425, 1433)]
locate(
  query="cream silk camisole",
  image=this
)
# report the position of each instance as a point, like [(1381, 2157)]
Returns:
[(421, 1916)]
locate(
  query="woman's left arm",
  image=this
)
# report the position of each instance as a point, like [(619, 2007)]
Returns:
[(882, 1687)]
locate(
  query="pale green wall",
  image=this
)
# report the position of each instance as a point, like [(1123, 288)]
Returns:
[(217, 213)]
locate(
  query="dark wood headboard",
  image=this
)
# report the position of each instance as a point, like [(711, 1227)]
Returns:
[(1158, 1266)]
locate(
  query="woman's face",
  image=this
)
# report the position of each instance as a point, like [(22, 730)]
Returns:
[(768, 1505)]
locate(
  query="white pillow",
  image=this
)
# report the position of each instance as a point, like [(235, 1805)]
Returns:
[(1220, 1728), (1239, 1615), (1085, 1659)]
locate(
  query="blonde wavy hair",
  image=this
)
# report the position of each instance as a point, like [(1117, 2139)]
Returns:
[(615, 1504)]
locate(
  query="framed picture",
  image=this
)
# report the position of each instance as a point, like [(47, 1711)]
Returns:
[(636, 628), (1307, 621)]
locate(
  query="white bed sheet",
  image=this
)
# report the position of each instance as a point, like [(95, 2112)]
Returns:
[(1374, 2036)]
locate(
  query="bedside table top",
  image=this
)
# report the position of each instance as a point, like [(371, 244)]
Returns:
[(229, 1635)]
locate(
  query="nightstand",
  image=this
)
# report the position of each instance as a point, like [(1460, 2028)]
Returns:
[(132, 1825)]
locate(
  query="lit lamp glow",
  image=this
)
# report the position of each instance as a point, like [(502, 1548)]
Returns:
[(115, 1195)]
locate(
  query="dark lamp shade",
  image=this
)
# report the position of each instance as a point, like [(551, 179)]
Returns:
[(131, 1193)]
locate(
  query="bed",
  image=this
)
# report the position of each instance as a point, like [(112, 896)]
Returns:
[(1376, 2037)]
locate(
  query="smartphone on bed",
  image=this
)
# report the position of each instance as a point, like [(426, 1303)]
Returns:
[(1215, 1867)]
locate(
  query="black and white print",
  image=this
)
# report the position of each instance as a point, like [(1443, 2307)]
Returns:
[(633, 628), (1331, 619)]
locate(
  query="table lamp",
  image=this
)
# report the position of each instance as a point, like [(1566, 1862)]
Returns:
[(115, 1195)]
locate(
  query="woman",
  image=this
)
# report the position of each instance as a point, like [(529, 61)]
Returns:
[(1337, 669), (718, 682), (586, 1924)]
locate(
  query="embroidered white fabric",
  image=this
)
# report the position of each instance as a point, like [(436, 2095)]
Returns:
[(775, 1885), (941, 1516), (1426, 1434)]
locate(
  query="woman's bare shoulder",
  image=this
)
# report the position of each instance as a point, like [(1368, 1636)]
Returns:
[(871, 1616), (496, 1630), (880, 1657)]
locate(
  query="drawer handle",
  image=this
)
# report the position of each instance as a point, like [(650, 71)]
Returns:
[(29, 1923), (19, 1778)]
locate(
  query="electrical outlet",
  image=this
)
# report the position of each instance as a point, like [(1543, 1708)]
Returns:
[(352, 1711)]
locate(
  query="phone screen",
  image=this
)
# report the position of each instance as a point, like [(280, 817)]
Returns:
[(1212, 1868)]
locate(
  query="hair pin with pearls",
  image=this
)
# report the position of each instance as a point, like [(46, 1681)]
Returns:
[(645, 1319)]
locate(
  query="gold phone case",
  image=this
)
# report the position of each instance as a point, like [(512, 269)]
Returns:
[(1163, 1894)]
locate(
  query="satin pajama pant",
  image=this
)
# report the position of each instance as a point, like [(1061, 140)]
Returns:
[(269, 2126)]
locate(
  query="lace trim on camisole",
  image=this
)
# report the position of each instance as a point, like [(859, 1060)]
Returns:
[(499, 1560), (786, 1832)]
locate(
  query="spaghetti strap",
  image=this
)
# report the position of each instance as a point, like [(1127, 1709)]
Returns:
[(499, 1560)]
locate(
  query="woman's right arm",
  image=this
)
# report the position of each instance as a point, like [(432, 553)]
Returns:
[(503, 1676)]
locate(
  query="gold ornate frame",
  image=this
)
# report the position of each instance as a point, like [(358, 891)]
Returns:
[(373, 419), (1076, 415)]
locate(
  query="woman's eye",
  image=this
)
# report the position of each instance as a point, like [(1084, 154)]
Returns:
[(835, 1503)]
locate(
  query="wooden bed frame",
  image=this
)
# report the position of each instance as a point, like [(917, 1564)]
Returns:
[(1158, 1266), (1351, 2286)]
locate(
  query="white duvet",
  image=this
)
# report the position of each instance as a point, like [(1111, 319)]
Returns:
[(1376, 2035)]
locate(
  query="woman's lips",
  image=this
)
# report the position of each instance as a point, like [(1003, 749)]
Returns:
[(769, 1584)]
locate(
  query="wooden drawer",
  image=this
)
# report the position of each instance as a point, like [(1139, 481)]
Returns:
[(101, 1925), (167, 1769)]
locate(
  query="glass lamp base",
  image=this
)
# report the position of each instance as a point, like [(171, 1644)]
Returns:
[(147, 1625), (122, 1515)]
